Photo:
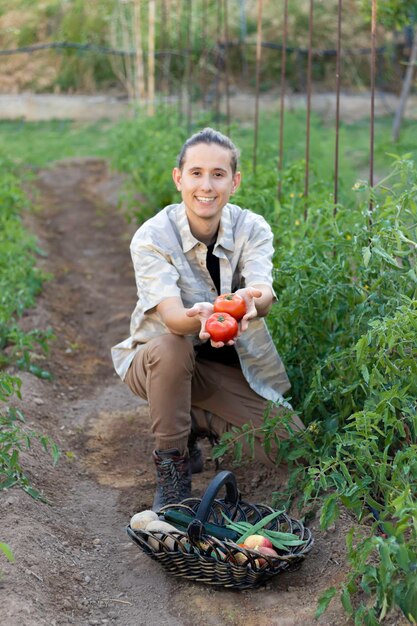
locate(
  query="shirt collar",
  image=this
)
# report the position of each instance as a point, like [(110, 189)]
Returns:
[(187, 238), (225, 237)]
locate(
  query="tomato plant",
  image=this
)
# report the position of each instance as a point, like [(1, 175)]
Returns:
[(221, 327), (230, 303), (20, 282)]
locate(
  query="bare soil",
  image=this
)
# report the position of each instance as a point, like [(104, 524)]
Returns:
[(354, 106), (74, 561)]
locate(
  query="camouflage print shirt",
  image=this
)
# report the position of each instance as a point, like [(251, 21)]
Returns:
[(169, 261)]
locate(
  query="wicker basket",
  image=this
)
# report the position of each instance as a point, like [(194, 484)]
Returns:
[(196, 554)]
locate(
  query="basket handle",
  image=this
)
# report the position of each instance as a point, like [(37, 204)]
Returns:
[(196, 527)]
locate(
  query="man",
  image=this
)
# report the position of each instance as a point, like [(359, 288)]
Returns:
[(183, 258)]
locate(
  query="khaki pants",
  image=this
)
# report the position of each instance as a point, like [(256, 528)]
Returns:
[(182, 390)]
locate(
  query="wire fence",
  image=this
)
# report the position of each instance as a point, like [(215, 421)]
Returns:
[(212, 61), (222, 45)]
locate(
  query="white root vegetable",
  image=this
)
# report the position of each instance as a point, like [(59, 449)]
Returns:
[(140, 520), (159, 528)]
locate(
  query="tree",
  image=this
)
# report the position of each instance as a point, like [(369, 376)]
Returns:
[(397, 14)]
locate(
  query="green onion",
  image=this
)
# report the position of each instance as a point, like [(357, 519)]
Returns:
[(281, 535), (280, 540), (255, 528)]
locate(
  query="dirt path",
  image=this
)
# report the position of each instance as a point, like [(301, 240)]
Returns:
[(354, 106), (74, 562)]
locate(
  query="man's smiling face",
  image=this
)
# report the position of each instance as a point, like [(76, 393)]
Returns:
[(206, 181)]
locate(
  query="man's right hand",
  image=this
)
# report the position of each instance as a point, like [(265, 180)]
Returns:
[(201, 310)]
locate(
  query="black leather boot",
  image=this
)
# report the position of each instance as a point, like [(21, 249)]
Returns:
[(173, 473)]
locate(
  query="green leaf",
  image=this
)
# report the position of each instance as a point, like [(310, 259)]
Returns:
[(365, 373), (7, 551), (406, 597), (297, 453), (56, 453), (219, 451), (361, 349), (384, 553), (324, 601), (411, 274), (9, 482), (366, 255), (403, 559), (329, 511), (387, 257), (346, 601), (238, 450), (34, 493)]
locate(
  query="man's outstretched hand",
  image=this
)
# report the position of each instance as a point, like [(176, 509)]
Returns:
[(201, 310), (249, 294)]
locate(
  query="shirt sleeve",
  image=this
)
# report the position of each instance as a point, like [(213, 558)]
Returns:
[(156, 277), (257, 252)]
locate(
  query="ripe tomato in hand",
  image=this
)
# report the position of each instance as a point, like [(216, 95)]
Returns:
[(231, 303), (221, 327)]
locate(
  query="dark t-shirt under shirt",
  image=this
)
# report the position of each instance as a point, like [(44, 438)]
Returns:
[(227, 354)]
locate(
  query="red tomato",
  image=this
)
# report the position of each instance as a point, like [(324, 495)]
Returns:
[(230, 303), (221, 327)]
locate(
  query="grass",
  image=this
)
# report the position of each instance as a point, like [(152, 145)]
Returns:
[(37, 144), (354, 144)]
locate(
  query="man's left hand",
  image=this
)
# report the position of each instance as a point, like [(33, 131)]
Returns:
[(249, 294)]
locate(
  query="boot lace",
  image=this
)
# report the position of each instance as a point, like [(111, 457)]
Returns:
[(173, 480)]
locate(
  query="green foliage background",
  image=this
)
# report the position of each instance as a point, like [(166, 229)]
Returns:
[(90, 21)]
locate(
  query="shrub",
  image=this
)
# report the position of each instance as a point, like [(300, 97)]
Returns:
[(20, 282), (15, 437), (20, 279), (346, 326)]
